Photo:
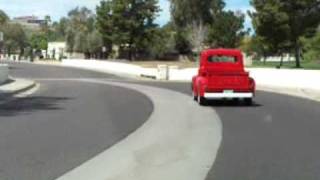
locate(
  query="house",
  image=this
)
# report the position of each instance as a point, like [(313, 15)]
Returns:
[(29, 22)]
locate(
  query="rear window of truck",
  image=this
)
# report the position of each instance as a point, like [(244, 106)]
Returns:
[(222, 59)]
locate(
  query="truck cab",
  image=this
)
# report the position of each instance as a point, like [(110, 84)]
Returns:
[(221, 75)]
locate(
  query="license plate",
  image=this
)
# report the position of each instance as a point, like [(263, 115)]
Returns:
[(228, 91)]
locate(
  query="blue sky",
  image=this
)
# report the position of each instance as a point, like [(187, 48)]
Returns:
[(58, 8)]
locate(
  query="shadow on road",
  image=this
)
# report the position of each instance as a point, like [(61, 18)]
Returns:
[(30, 104), (232, 103)]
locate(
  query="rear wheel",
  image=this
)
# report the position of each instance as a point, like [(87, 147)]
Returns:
[(235, 100), (202, 101), (194, 96), (248, 101)]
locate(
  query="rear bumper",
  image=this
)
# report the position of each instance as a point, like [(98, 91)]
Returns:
[(227, 95)]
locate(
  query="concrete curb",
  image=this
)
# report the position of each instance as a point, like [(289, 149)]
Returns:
[(17, 86), (4, 72), (181, 145)]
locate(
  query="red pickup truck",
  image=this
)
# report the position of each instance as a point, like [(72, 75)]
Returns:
[(222, 76)]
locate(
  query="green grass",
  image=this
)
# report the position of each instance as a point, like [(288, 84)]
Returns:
[(310, 65)]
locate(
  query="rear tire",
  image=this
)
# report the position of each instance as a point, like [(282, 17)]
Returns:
[(248, 101), (202, 101), (235, 101), (195, 97)]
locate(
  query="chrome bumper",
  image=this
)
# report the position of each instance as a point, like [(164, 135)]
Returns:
[(227, 95)]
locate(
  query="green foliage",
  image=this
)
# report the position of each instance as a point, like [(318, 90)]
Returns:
[(39, 41), (162, 43), (255, 46), (312, 47), (227, 31), (185, 12), (76, 29), (94, 41), (271, 25), (190, 18), (59, 30), (183, 45), (283, 24), (3, 17), (14, 37), (127, 23), (202, 23)]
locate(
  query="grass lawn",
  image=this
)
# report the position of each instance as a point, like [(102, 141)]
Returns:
[(311, 65)]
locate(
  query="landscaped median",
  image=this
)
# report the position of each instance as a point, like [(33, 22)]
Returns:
[(303, 83), (10, 87), (13, 87), (4, 73)]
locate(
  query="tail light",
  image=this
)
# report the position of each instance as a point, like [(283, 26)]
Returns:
[(252, 84), (204, 74)]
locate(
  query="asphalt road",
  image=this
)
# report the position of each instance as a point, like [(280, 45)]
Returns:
[(65, 123), (277, 138)]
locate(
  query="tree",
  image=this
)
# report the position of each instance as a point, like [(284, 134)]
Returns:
[(312, 47), (127, 23), (228, 30), (304, 18), (15, 38), (105, 23), (76, 27), (271, 25), (162, 43), (284, 23), (191, 19), (59, 30), (95, 44), (39, 41), (3, 17), (186, 12), (206, 22), (81, 43)]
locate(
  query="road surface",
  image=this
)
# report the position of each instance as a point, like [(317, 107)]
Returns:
[(66, 123)]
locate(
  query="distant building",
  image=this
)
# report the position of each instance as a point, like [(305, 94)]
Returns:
[(32, 22), (57, 50)]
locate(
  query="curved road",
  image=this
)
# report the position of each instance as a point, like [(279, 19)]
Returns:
[(65, 123), (278, 138)]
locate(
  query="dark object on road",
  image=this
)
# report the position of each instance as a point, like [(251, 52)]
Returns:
[(222, 76)]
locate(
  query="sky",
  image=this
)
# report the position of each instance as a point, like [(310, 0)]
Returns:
[(59, 8)]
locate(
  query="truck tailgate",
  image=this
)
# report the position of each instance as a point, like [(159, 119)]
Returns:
[(229, 81)]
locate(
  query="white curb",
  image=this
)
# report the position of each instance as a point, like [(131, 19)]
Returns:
[(179, 142)]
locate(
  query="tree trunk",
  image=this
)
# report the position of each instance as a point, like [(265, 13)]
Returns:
[(21, 53), (130, 53), (297, 55), (264, 59), (281, 60), (9, 52)]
